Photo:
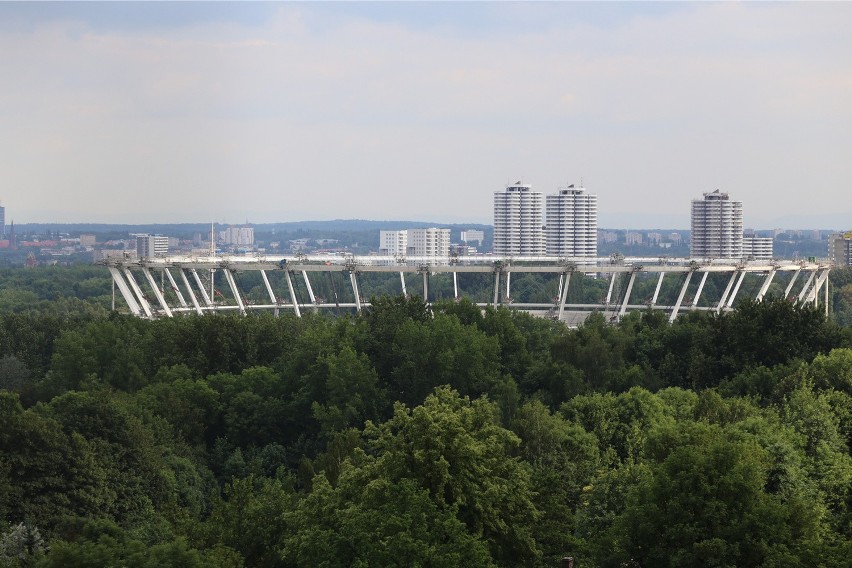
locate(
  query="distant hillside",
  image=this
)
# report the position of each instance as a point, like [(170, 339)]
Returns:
[(184, 228)]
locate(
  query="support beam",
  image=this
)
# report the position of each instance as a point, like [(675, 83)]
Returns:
[(733, 296), (118, 280), (292, 294), (310, 290), (807, 285), (680, 296), (508, 285), (189, 290), (229, 277), (564, 295), (698, 292), (425, 285), (611, 284), (657, 289), (623, 309), (455, 285), (727, 291), (269, 291), (175, 288), (814, 296), (559, 289), (790, 285), (765, 286), (402, 281), (496, 287), (146, 307), (160, 298), (207, 299), (354, 280)]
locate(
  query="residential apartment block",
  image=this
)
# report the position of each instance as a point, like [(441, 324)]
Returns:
[(243, 236), (571, 223), (717, 227), (518, 220), (840, 249), (393, 243), (429, 242), (415, 242), (757, 248), (148, 246)]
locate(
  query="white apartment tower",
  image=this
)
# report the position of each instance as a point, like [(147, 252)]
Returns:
[(717, 227), (518, 221), (571, 219)]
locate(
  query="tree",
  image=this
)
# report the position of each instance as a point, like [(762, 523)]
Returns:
[(453, 448), (563, 459), (705, 504), (369, 520)]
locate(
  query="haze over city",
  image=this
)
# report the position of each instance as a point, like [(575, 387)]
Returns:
[(164, 113)]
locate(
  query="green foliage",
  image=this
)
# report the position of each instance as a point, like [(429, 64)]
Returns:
[(408, 436), (453, 448)]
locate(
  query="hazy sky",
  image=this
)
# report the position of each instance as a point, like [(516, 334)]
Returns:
[(190, 112)]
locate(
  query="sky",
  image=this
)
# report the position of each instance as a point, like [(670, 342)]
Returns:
[(167, 112)]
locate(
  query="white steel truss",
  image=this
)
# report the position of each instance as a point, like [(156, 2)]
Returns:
[(191, 285)]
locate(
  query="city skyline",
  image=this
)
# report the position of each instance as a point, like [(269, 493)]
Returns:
[(161, 112)]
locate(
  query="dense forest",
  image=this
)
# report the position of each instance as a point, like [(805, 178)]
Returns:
[(414, 436)]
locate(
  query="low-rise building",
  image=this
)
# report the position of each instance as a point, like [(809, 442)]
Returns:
[(757, 248)]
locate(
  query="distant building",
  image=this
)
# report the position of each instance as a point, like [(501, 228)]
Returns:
[(2, 221), (149, 246), (88, 240), (415, 242), (471, 236), (518, 221), (757, 248), (429, 242), (840, 249), (607, 237), (633, 238), (717, 227), (117, 254), (393, 243), (242, 236), (571, 223)]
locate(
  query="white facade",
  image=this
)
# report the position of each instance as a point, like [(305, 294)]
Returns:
[(757, 248), (518, 221), (237, 236), (415, 242), (473, 236), (393, 243), (151, 245), (717, 227), (429, 242), (571, 219)]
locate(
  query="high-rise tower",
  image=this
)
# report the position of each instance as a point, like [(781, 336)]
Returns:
[(717, 227), (518, 221), (571, 219)]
